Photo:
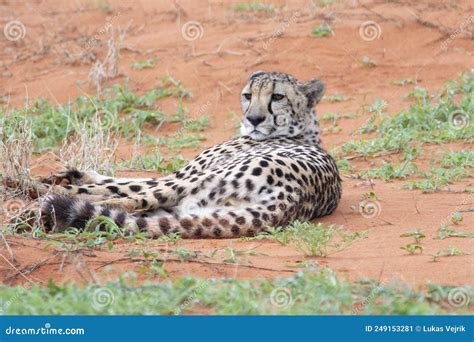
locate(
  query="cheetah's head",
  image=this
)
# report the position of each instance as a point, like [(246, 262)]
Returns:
[(276, 104)]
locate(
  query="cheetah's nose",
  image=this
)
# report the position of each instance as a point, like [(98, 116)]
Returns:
[(255, 120)]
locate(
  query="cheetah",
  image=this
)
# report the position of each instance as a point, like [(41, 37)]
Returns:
[(275, 173)]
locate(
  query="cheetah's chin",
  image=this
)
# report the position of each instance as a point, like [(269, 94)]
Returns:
[(257, 135)]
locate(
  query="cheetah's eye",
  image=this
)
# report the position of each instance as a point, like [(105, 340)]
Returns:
[(277, 97), (248, 96)]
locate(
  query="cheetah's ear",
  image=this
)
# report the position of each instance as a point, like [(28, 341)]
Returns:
[(314, 91)]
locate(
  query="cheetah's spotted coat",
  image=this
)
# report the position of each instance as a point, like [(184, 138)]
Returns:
[(274, 174)]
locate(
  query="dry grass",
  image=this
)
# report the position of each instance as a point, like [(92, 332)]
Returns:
[(16, 148), (107, 69), (92, 147)]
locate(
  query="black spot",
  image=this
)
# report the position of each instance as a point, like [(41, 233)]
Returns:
[(164, 225), (223, 222), (141, 224), (113, 189), (109, 180), (257, 223), (186, 224), (83, 214), (206, 222), (217, 232), (135, 188), (263, 163), (82, 191), (240, 220), (105, 212), (270, 180), (249, 185), (257, 171), (198, 232), (235, 230), (120, 219)]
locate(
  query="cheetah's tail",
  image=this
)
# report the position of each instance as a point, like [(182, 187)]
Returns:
[(61, 212)]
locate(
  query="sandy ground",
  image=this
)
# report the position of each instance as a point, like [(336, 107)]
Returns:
[(411, 42)]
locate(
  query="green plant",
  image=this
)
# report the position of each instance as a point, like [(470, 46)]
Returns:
[(180, 140), (145, 64), (447, 252), (322, 30), (416, 245), (155, 161), (336, 97), (428, 120), (457, 217), (255, 6), (314, 291), (366, 61), (404, 82), (449, 231)]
